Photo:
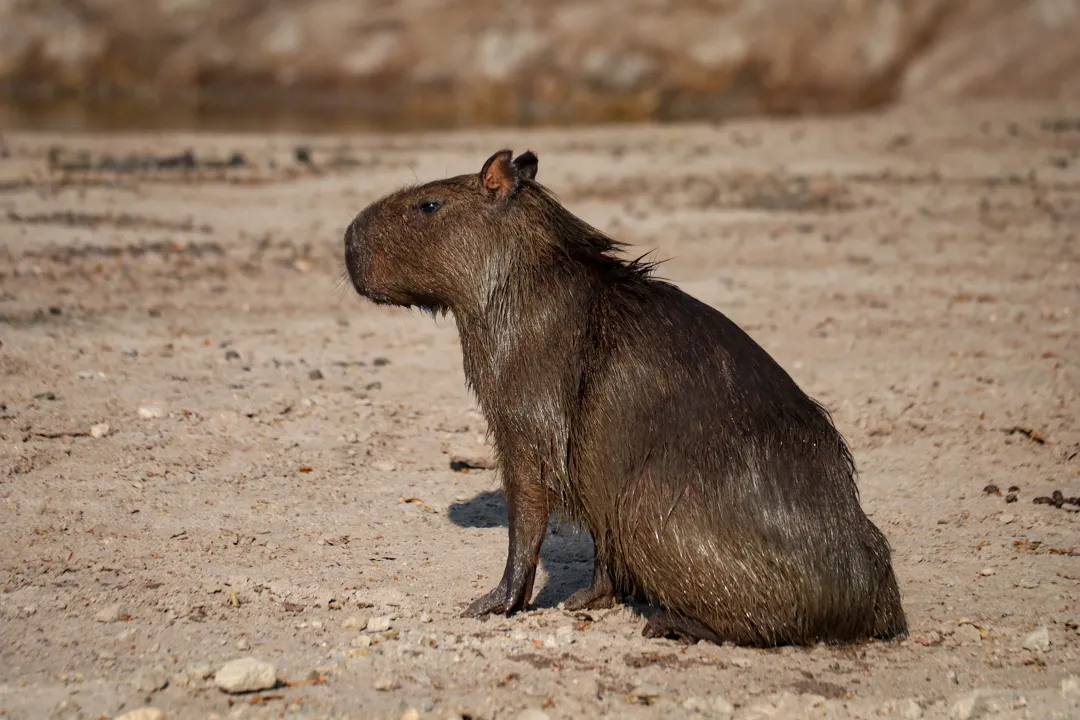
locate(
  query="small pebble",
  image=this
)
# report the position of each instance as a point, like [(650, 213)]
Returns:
[(151, 413), (1007, 518), (146, 713), (722, 707), (385, 684), (151, 679), (380, 362), (987, 572), (646, 693), (382, 623), (245, 675), (99, 431), (355, 622), (968, 634), (232, 355), (1038, 640), (425, 618), (565, 634), (411, 714), (110, 614), (384, 466), (315, 375), (243, 644), (361, 641), (200, 671)]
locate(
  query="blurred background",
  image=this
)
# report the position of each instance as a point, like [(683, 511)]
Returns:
[(428, 64)]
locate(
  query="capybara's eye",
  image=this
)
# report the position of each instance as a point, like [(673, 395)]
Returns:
[(429, 206)]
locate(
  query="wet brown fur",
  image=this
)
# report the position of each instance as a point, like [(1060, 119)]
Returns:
[(710, 482)]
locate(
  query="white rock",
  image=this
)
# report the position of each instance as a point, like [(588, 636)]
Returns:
[(1007, 518), (411, 714), (355, 622), (361, 641), (565, 634), (425, 618), (110, 614), (146, 713), (382, 623), (150, 412), (385, 683), (245, 675), (384, 466), (1038, 640), (100, 430), (243, 644)]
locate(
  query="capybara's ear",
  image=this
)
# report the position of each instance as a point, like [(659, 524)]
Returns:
[(502, 177), (497, 176), (526, 164)]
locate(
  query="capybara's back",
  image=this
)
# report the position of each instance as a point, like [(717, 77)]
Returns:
[(710, 482), (731, 496)]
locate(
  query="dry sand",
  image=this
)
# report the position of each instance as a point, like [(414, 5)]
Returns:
[(276, 463)]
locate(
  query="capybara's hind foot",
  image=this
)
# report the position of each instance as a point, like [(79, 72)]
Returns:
[(665, 623)]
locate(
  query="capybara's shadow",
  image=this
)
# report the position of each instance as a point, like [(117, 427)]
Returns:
[(566, 554)]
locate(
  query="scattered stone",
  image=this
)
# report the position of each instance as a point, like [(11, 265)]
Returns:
[(1007, 518), (987, 572), (99, 430), (385, 683), (355, 622), (110, 614), (565, 634), (1038, 641), (906, 709), (411, 714), (384, 466), (245, 675), (146, 713), (382, 623), (968, 634), (201, 671), (645, 693), (243, 644), (425, 618), (532, 714), (149, 412), (380, 362), (315, 375), (361, 641), (232, 355), (981, 703), (151, 679), (722, 707)]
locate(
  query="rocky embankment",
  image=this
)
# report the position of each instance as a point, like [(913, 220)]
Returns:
[(459, 61)]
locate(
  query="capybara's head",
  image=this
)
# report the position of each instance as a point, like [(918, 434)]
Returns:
[(443, 245)]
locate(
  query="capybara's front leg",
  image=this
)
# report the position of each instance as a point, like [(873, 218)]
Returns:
[(529, 505)]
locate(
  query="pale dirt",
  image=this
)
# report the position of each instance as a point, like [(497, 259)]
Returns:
[(919, 272)]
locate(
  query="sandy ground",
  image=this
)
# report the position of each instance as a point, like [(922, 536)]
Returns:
[(276, 466)]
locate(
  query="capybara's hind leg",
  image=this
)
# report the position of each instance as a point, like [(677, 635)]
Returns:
[(665, 623), (601, 594)]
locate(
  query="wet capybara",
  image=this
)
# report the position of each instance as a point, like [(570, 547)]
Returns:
[(712, 485)]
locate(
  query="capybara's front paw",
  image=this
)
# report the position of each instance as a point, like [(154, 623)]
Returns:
[(591, 598), (499, 601)]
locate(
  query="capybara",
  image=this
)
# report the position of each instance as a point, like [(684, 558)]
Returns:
[(712, 485)]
